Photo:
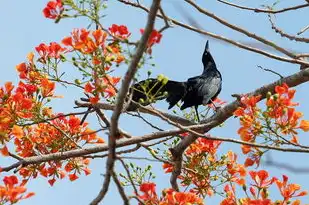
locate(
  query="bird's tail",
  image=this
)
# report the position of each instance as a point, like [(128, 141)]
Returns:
[(148, 91), (176, 91)]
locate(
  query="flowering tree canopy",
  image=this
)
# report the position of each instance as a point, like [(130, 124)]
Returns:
[(42, 143)]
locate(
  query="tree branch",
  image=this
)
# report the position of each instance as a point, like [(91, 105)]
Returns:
[(240, 30), (283, 34), (121, 98)]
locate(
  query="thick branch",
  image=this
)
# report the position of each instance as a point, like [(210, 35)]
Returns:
[(143, 109)]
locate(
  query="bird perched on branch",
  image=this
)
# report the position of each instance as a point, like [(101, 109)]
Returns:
[(198, 90)]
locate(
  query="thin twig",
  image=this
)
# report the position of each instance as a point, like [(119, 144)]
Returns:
[(269, 70), (120, 189), (130, 178), (257, 10), (303, 30), (283, 34)]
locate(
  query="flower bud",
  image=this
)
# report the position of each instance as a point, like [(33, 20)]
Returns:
[(165, 80), (268, 95), (160, 77), (141, 101), (77, 81)]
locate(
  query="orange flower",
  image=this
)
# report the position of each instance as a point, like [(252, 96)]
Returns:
[(17, 131), (81, 40), (67, 41), (11, 192), (99, 36), (203, 145), (230, 199), (48, 87), (289, 191), (250, 101), (168, 167), (304, 125), (261, 179), (108, 84), (282, 89)]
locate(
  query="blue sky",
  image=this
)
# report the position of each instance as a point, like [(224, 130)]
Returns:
[(177, 56)]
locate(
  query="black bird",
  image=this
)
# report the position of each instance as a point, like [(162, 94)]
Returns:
[(198, 90)]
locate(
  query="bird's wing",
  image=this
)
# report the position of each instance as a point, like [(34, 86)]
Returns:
[(208, 87)]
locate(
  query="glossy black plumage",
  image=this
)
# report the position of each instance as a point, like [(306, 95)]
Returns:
[(195, 91)]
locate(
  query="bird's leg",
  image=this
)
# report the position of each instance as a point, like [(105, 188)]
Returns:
[(208, 108), (212, 102), (198, 118)]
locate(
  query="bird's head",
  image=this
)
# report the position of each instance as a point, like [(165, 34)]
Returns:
[(207, 58)]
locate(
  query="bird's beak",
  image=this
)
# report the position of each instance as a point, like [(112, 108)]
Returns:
[(207, 46)]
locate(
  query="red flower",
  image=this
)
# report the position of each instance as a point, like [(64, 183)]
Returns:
[(54, 50), (119, 31), (149, 190), (88, 88), (155, 37), (53, 9), (52, 181), (42, 50), (94, 100)]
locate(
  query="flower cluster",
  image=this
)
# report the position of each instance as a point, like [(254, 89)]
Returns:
[(35, 129), (60, 134), (106, 86), (259, 191), (12, 192), (201, 167), (169, 196), (279, 118), (82, 41)]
